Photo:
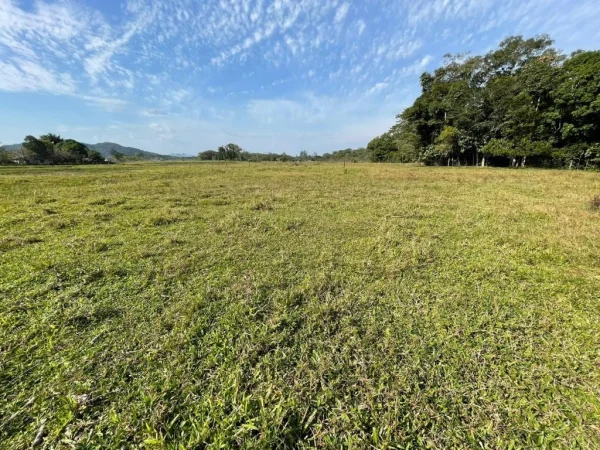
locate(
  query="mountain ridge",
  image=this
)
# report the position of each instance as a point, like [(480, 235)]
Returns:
[(105, 148)]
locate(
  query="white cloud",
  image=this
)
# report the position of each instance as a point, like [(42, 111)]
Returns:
[(153, 112), (361, 25), (377, 88), (341, 12), (21, 75), (164, 132), (109, 104), (101, 61), (417, 67)]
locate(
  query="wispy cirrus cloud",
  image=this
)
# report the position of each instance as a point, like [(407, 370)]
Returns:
[(341, 12), (164, 132), (26, 75), (106, 103)]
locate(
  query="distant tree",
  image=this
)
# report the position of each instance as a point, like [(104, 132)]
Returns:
[(498, 147), (407, 142), (382, 148), (303, 156), (37, 151), (208, 155), (347, 154), (117, 155), (51, 138), (5, 155), (71, 151), (230, 152), (446, 144), (53, 149), (95, 157)]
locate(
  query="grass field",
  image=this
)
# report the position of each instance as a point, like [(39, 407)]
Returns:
[(190, 306)]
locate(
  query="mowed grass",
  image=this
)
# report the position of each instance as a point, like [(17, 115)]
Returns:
[(190, 306)]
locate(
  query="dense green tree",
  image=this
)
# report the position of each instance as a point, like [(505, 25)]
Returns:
[(95, 157), (230, 152), (577, 103), (522, 102), (208, 155), (382, 148), (5, 156), (51, 138), (446, 144), (71, 151), (37, 151), (52, 149)]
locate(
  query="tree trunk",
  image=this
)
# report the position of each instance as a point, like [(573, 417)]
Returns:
[(523, 161), (483, 162), (570, 164)]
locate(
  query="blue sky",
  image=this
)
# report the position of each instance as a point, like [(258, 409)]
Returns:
[(181, 76)]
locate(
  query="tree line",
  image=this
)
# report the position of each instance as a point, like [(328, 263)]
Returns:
[(51, 149), (233, 152), (524, 103)]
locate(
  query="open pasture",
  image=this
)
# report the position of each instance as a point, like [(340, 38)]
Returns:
[(186, 306)]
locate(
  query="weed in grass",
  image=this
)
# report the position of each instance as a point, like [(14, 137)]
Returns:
[(262, 206), (161, 221), (595, 203)]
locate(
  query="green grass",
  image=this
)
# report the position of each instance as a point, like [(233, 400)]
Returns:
[(186, 306)]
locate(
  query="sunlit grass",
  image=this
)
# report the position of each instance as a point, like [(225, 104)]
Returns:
[(281, 305)]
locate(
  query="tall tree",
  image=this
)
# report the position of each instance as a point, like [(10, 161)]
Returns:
[(230, 152), (5, 156), (36, 150), (577, 101), (382, 148), (72, 151), (51, 138)]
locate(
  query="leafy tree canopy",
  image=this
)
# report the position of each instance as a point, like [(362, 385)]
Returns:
[(521, 101)]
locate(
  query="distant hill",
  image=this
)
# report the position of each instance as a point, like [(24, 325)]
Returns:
[(12, 148), (105, 148)]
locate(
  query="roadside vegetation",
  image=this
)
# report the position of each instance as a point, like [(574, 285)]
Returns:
[(189, 305)]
